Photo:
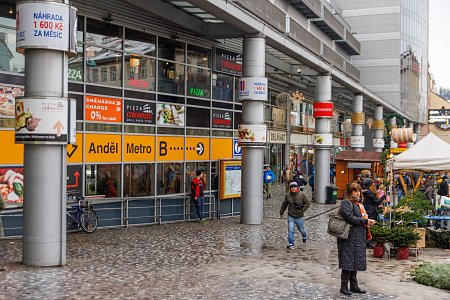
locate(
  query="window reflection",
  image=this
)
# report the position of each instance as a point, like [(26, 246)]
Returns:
[(198, 56), (75, 71), (104, 34), (103, 180), (106, 62), (170, 178), (140, 72), (171, 78), (138, 180), (140, 43), (10, 60), (171, 50), (222, 87), (198, 82)]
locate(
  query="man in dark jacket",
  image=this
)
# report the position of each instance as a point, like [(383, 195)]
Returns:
[(297, 203), (371, 201)]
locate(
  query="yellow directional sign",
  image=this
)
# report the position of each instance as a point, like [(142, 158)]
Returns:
[(138, 148), (169, 148), (221, 148), (75, 152), (103, 148), (197, 148)]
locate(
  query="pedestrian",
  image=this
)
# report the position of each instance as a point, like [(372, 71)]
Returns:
[(429, 189), (352, 251), (269, 177), (287, 177), (301, 181), (297, 203), (197, 194), (371, 199), (311, 182)]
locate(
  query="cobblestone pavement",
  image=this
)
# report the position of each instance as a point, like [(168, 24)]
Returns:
[(221, 259)]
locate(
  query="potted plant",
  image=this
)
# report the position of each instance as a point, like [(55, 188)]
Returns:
[(380, 236), (403, 237)]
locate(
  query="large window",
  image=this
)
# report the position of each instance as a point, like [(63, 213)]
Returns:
[(171, 50), (138, 180), (106, 61), (104, 35), (171, 78), (198, 56), (222, 86), (170, 178), (141, 72), (10, 60), (137, 42), (103, 181), (198, 82)]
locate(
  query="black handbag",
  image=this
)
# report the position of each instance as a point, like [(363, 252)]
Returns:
[(338, 227)]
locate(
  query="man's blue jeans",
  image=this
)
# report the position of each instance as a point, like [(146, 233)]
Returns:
[(300, 223), (199, 206)]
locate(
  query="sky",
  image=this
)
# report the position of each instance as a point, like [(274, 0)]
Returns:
[(439, 42)]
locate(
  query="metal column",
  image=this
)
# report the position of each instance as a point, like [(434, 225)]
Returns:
[(253, 118), (323, 138), (358, 118), (44, 219), (378, 141)]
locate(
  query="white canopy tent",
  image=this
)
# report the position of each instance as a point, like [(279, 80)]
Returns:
[(430, 154)]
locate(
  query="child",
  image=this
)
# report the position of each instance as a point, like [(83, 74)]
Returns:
[(382, 191)]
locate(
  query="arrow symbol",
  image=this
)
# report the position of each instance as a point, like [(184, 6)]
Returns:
[(59, 127), (200, 148), (76, 174), (74, 148)]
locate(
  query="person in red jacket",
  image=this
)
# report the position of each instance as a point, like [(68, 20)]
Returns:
[(197, 189)]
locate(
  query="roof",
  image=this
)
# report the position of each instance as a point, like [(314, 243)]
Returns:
[(352, 155)]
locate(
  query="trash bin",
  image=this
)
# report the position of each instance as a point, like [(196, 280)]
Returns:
[(332, 192)]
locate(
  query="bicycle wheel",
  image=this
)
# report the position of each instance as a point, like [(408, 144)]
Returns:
[(89, 221)]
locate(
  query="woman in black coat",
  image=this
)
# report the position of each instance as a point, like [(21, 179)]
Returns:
[(371, 201), (352, 251)]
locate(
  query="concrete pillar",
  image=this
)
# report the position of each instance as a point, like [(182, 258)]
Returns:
[(378, 141), (393, 124), (253, 118), (358, 118), (323, 138), (44, 218)]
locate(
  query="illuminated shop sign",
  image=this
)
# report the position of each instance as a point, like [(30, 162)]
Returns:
[(198, 92), (228, 62), (139, 112), (138, 83), (74, 74), (221, 119)]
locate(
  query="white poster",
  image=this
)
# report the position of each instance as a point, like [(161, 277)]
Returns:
[(253, 88), (252, 134), (42, 25), (232, 181), (170, 114), (41, 121)]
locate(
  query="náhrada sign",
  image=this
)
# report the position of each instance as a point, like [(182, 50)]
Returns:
[(221, 119), (323, 110), (139, 112)]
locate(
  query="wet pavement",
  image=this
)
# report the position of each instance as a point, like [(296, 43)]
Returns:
[(221, 259)]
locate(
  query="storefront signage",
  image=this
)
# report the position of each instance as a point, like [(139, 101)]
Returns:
[(45, 25), (139, 112), (103, 109), (237, 150), (42, 120), (197, 92), (438, 117), (10, 152), (197, 148), (103, 148), (169, 148), (277, 137), (74, 74), (228, 62), (138, 83), (323, 110), (170, 115), (253, 88), (221, 119), (221, 148), (322, 139), (357, 141), (252, 134), (75, 151), (378, 143), (138, 148), (8, 96)]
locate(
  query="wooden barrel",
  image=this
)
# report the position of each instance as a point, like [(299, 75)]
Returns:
[(403, 135)]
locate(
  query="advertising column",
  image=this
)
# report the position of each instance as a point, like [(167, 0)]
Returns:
[(46, 35), (252, 131), (323, 138), (358, 118), (378, 125)]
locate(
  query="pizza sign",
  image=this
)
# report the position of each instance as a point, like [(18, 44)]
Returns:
[(11, 187), (8, 96)]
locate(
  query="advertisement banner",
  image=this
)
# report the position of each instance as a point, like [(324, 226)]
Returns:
[(323, 110), (103, 109), (252, 134), (42, 120), (170, 115), (8, 96), (11, 187), (322, 139), (222, 119), (138, 112), (253, 88), (228, 62), (43, 25), (438, 117)]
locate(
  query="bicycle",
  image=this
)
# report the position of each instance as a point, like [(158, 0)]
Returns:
[(83, 214)]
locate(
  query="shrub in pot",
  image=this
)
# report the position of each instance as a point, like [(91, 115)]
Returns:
[(380, 236), (403, 237)]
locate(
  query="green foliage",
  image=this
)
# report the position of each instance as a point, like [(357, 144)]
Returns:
[(436, 275), (403, 237), (380, 235), (416, 201)]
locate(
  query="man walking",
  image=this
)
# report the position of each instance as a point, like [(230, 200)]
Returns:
[(269, 177), (297, 203), (197, 194), (287, 177)]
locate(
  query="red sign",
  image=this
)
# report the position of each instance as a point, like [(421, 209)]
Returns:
[(323, 110), (103, 109)]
